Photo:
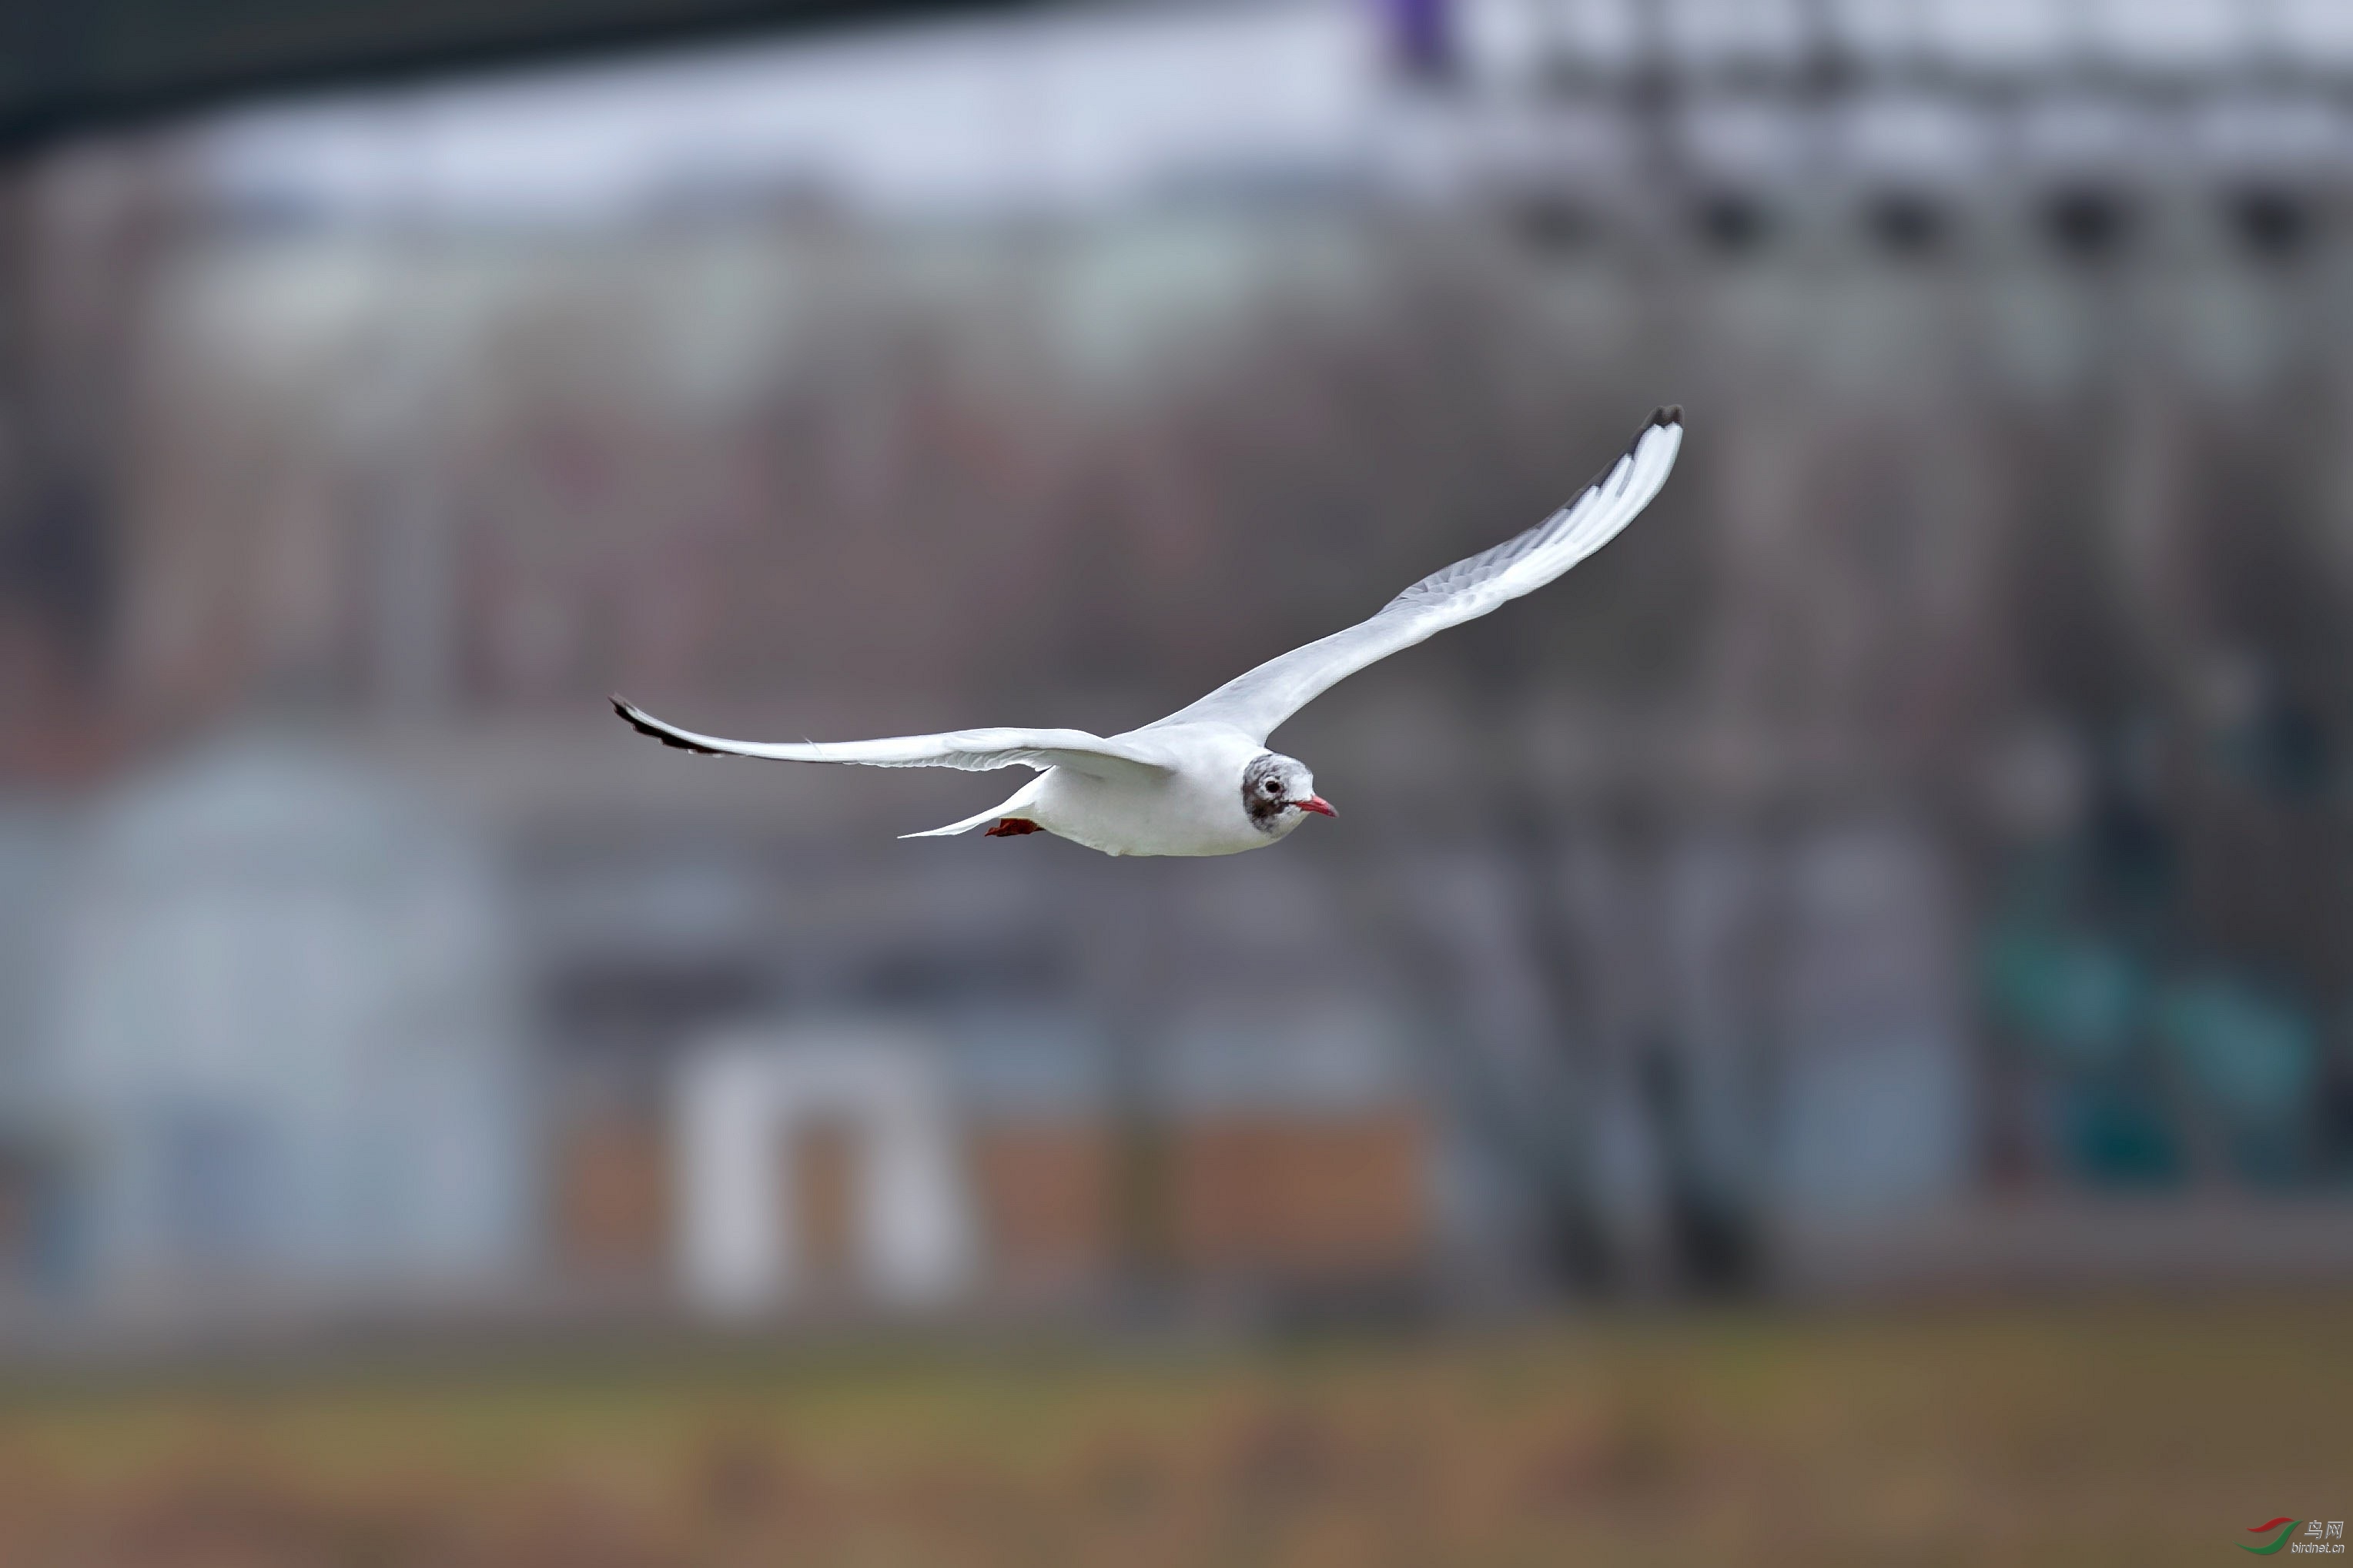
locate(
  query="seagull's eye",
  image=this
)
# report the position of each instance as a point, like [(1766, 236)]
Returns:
[(1272, 787)]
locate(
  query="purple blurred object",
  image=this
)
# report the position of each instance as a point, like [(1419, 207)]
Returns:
[(1422, 37)]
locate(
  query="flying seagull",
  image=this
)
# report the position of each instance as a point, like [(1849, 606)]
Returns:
[(1201, 781)]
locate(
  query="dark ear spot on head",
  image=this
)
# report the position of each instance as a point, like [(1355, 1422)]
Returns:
[(1263, 805)]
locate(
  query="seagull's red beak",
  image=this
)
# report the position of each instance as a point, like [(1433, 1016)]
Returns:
[(1317, 804)]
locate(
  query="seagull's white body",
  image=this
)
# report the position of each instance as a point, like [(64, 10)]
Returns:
[(1191, 807), (1201, 781)]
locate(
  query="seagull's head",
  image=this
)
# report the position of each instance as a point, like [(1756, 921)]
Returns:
[(1278, 791)]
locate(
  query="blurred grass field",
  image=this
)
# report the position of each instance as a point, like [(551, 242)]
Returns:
[(2082, 1432)]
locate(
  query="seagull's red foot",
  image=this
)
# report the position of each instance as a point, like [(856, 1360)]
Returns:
[(1012, 828)]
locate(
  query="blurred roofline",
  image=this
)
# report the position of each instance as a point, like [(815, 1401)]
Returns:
[(113, 63)]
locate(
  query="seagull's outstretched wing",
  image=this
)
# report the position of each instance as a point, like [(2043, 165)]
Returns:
[(974, 751), (1256, 702)]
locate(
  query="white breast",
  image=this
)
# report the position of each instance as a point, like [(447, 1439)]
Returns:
[(1194, 809)]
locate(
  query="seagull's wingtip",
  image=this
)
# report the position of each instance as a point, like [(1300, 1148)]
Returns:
[(644, 724), (1673, 414), (633, 716)]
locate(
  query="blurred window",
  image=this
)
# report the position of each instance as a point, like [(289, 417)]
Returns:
[(215, 1180)]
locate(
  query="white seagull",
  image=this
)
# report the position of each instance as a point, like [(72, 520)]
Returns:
[(1201, 781)]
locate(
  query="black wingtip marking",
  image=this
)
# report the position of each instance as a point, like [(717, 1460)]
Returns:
[(645, 726), (1667, 418)]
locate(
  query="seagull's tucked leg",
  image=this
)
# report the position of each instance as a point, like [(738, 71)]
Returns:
[(1011, 827)]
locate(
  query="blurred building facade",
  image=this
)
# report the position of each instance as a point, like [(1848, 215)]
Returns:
[(1935, 806), (283, 1040)]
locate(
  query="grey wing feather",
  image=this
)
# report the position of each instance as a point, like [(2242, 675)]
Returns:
[(1256, 702), (973, 751)]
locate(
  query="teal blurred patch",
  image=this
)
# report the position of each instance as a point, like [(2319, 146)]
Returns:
[(2119, 1135), (2252, 1050), (2077, 999)]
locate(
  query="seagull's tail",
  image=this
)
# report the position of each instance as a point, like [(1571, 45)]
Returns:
[(1021, 797)]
